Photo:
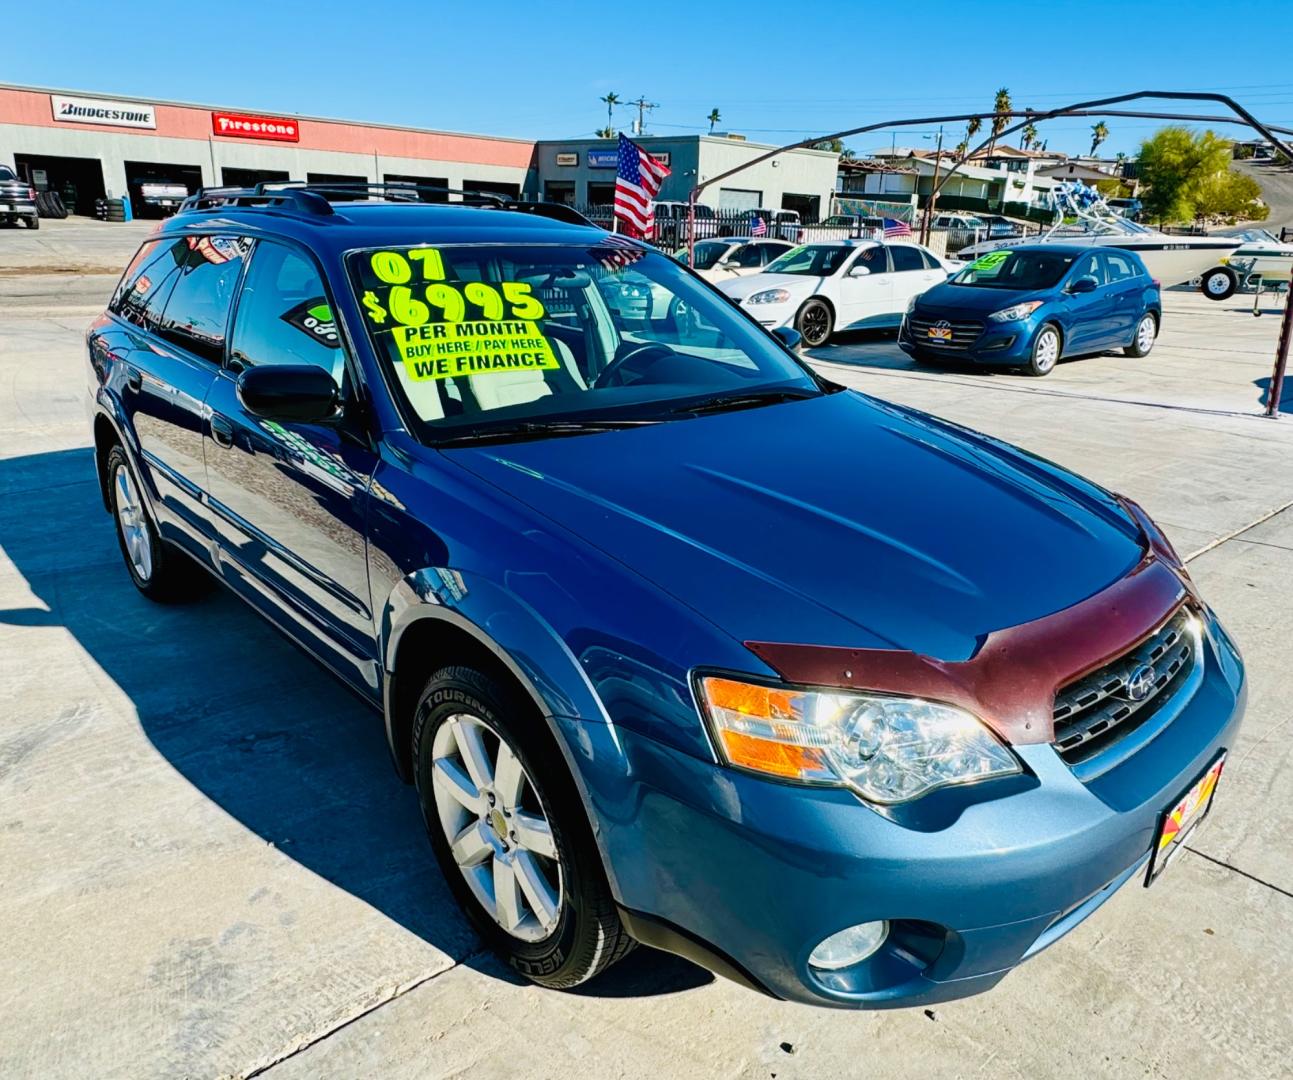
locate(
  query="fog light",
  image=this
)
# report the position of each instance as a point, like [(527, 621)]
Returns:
[(849, 947)]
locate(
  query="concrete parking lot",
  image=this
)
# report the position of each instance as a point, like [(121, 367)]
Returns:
[(208, 867)]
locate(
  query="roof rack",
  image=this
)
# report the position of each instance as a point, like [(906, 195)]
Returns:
[(316, 199)]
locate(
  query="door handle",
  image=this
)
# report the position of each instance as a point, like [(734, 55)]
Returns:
[(221, 431), (134, 379)]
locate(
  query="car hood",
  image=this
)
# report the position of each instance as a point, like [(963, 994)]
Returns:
[(796, 284), (971, 300), (835, 520)]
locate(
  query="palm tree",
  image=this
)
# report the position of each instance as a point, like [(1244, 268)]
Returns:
[(961, 149), (1099, 132), (971, 130), (1000, 106), (713, 118), (1030, 136), (847, 155), (610, 100), (605, 133)]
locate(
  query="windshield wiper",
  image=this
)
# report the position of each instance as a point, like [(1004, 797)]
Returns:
[(725, 402), (533, 429)]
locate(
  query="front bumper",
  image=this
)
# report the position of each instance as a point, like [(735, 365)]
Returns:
[(772, 315), (973, 880), (999, 345)]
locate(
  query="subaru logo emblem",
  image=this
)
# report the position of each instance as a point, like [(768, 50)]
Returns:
[(1141, 683)]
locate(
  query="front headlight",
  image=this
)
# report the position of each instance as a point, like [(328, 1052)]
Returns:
[(887, 749), (769, 296), (1016, 311), (911, 305)]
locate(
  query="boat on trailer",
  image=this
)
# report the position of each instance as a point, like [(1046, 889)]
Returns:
[(1083, 217)]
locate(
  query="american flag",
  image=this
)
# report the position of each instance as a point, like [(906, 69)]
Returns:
[(893, 227), (637, 180), (758, 227), (616, 253)]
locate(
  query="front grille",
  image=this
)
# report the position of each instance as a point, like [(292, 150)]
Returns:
[(1101, 708), (964, 334)]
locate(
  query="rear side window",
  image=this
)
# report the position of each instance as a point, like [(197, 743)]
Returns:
[(284, 316), (1118, 266), (930, 262), (197, 312), (905, 258), (143, 290)]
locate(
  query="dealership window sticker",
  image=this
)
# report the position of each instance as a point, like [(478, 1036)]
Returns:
[(445, 330)]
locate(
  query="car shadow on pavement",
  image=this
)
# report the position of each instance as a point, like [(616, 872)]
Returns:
[(246, 717)]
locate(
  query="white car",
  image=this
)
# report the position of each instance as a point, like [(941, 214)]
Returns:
[(734, 256), (838, 285)]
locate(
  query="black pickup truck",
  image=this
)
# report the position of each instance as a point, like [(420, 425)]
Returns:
[(17, 199)]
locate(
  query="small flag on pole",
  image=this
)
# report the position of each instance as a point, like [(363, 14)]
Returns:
[(637, 181), (894, 227), (758, 227)]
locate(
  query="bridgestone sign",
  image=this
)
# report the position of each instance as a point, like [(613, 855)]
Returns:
[(79, 110)]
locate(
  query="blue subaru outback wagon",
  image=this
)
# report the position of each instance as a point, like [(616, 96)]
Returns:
[(679, 642)]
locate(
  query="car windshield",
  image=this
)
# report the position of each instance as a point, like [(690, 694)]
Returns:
[(707, 254), (482, 338), (1024, 270), (7, 173), (811, 260)]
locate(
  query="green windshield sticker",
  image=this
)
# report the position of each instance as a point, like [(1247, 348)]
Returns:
[(990, 261), (447, 350)]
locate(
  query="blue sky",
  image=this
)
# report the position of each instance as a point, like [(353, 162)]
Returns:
[(776, 72)]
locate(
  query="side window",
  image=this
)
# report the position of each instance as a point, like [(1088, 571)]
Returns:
[(197, 312), (1088, 266), (905, 257), (773, 251), (1118, 267), (930, 262), (283, 315), (750, 255), (147, 282), (874, 259)]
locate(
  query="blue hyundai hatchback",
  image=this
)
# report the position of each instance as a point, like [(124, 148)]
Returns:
[(679, 642), (1028, 306)]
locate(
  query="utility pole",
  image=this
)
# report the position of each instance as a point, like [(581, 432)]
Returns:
[(933, 191), (643, 107)]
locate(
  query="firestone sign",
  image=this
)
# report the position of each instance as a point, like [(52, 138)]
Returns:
[(80, 110), (240, 126)]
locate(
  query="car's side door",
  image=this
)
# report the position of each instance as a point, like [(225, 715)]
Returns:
[(1088, 312), (176, 297), (911, 276), (1126, 295), (289, 498), (865, 287)]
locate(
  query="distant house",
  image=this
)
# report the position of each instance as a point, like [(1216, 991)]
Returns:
[(1007, 175)]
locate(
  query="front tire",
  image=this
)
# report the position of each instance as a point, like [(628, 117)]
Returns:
[(1046, 351), (1146, 332), (815, 323), (510, 831), (1219, 283), (33, 222), (161, 572)]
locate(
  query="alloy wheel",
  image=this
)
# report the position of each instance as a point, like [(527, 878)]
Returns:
[(497, 829), (815, 324), (1047, 351), (1145, 334), (133, 523)]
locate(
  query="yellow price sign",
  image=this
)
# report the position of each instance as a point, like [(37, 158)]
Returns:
[(449, 350)]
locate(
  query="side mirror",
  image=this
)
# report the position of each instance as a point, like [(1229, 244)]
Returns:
[(299, 392), (788, 336), (859, 271), (1083, 285)]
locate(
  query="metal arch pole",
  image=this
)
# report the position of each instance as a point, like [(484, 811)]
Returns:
[(1276, 390)]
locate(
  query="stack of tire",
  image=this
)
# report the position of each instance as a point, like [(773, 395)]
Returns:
[(49, 204), (109, 210)]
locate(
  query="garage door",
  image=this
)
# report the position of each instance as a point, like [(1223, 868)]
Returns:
[(739, 199)]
